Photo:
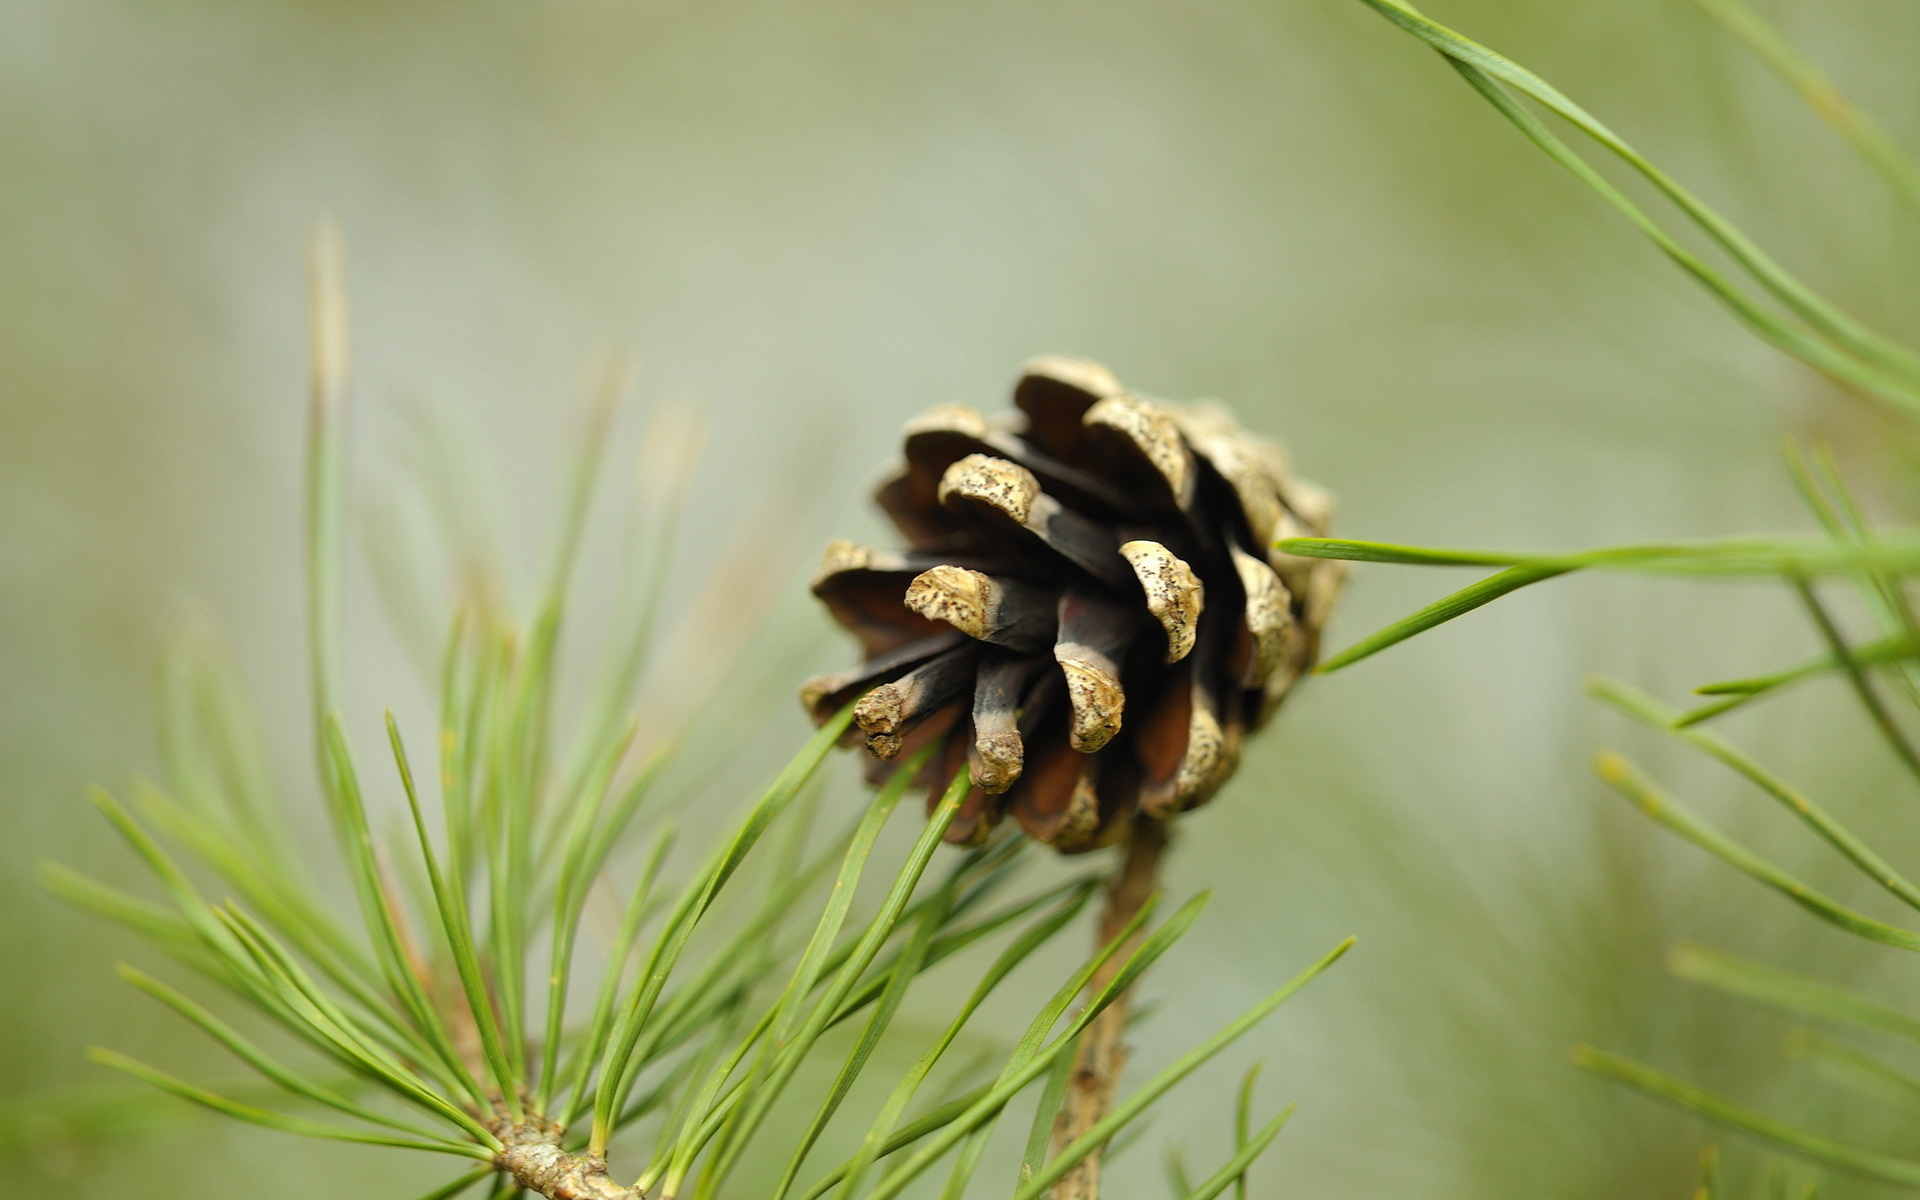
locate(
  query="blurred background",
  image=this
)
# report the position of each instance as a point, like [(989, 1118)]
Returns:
[(808, 221)]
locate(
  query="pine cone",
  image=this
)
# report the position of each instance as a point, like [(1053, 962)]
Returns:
[(1088, 617)]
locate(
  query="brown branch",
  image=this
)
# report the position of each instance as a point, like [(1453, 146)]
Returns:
[(1102, 1054), (535, 1159)]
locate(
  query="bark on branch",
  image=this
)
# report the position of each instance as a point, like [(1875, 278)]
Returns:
[(1102, 1054), (535, 1159)]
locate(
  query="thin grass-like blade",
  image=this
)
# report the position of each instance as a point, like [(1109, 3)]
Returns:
[(1234, 1171), (670, 450), (881, 1135), (1885, 593), (1802, 1142), (1896, 649), (318, 1018), (1349, 550), (631, 798), (932, 1121), (1784, 989), (231, 959), (1045, 1113), (457, 925), (1858, 1071), (136, 913), (600, 1027), (778, 1027), (791, 1051), (686, 915), (1863, 688), (1897, 552), (569, 901), (1125, 1112), (273, 1120), (789, 1012), (1039, 1057), (912, 957), (454, 1187), (1648, 711), (383, 923), (287, 909), (721, 1032), (196, 911), (1761, 320), (1736, 556), (1865, 357), (1030, 1043), (326, 473), (954, 940), (208, 735), (1440, 612), (1862, 132), (1242, 1120), (254, 1057), (1623, 778)]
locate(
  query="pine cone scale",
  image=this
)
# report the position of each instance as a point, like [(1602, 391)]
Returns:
[(1006, 611), (825, 695)]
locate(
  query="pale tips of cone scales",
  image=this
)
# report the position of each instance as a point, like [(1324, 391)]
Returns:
[(995, 491), (961, 420), (998, 752), (1215, 436), (998, 755), (1008, 612), (1201, 770), (1094, 634), (955, 595), (1269, 616), (1293, 568), (995, 482), (1174, 593), (1081, 374), (1154, 434), (824, 695), (891, 711), (1055, 393), (842, 556), (1094, 690), (1322, 590), (1313, 503)]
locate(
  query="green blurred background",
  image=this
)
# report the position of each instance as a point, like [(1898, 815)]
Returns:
[(811, 220)]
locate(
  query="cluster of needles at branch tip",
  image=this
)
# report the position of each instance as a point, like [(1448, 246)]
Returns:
[(531, 981)]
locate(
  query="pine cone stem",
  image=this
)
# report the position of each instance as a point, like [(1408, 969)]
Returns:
[(1102, 1052)]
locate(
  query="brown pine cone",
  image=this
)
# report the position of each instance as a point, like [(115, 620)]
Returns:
[(1088, 617)]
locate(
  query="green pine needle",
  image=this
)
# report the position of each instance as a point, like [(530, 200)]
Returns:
[(1804, 1142)]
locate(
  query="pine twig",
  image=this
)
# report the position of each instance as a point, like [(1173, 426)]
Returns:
[(1102, 1053), (537, 1162)]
